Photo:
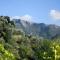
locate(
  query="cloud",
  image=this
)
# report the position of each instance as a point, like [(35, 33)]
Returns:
[(25, 17), (55, 14), (15, 17)]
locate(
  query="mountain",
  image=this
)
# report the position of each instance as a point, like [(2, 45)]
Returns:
[(37, 29)]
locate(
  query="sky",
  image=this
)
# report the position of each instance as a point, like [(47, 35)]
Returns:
[(39, 11)]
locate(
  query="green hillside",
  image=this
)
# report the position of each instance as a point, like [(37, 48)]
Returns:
[(16, 45)]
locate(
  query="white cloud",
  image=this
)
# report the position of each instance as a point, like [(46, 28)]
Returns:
[(25, 17), (55, 14), (15, 17)]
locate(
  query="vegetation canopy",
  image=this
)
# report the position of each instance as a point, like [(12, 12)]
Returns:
[(16, 45)]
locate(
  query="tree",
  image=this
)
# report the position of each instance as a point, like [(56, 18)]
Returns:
[(5, 27)]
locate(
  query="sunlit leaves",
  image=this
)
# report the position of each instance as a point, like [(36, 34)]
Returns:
[(5, 54)]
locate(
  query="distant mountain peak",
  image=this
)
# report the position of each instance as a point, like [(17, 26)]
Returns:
[(38, 29)]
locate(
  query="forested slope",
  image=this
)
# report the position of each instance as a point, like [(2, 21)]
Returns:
[(16, 45)]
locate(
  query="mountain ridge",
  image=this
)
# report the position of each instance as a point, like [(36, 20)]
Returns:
[(37, 29)]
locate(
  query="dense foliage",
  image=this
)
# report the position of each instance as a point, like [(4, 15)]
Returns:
[(16, 45)]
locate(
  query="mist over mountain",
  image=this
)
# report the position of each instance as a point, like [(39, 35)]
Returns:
[(37, 29)]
